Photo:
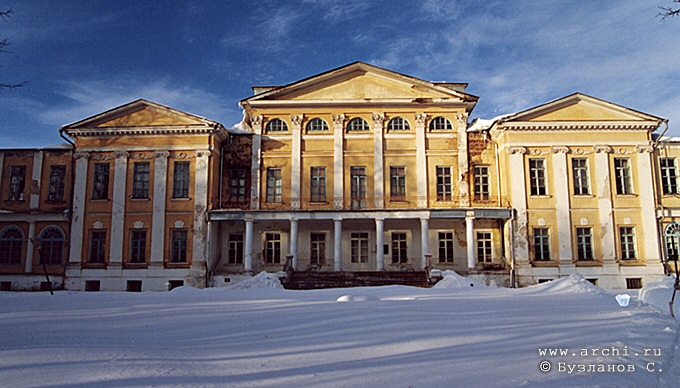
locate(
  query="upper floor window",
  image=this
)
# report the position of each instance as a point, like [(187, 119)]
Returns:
[(11, 245), (180, 180), (481, 183), (537, 176), (17, 182), (57, 183), (440, 123), (444, 191), (237, 185), (357, 124), (276, 125), (318, 184), (274, 184), (398, 183), (669, 175), (52, 246), (622, 173), (140, 180), (358, 186), (584, 243), (627, 239), (579, 168), (398, 124), (317, 125), (100, 188)]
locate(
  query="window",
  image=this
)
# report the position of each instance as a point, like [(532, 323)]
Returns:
[(399, 249), (541, 244), (180, 181), (237, 185), (584, 243), (235, 249), (579, 168), (100, 188), (134, 286), (357, 124), (17, 181), (11, 245), (359, 245), (398, 183), (537, 176), (179, 246), (57, 179), (440, 123), (140, 180), (444, 183), (276, 125), (317, 125), (358, 187), (484, 248), (317, 248), (627, 239), (669, 176), (318, 184), (481, 180), (138, 246), (398, 124), (622, 173), (272, 248), (672, 237), (274, 182), (445, 247), (92, 285), (633, 283), (51, 246), (97, 246)]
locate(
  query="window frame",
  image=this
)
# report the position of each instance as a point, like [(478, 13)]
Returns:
[(272, 248), (627, 243), (317, 124), (317, 248), (11, 247), (484, 246), (137, 249), (238, 185), (397, 183), (357, 124), (580, 176), (481, 183), (181, 179), (236, 247), (57, 185), (541, 243), (537, 177), (358, 186), (444, 183), (179, 242), (141, 177), (440, 123), (398, 124), (446, 246), (669, 176), (359, 247), (317, 184), (97, 252), (52, 240), (274, 185), (276, 125), (100, 189), (17, 183), (584, 243), (399, 246), (623, 176)]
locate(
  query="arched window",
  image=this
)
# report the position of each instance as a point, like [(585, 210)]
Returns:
[(51, 245), (11, 245), (276, 125), (440, 124), (672, 237), (398, 124), (357, 124), (317, 125)]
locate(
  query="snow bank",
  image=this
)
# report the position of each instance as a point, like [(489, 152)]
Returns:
[(658, 293), (452, 279), (575, 284), (358, 298), (261, 280)]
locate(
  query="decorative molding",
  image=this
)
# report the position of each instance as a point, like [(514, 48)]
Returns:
[(179, 224), (339, 119), (644, 149), (420, 118), (138, 224), (180, 155), (541, 222), (537, 152), (121, 154), (81, 155), (584, 221), (627, 221), (297, 119), (622, 151), (257, 120), (102, 157), (517, 150), (570, 126), (462, 118), (139, 155), (560, 150), (580, 151), (202, 154), (97, 225), (378, 118), (161, 154), (599, 149)]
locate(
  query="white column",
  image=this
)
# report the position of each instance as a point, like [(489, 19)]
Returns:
[(470, 237), (560, 174), (35, 180), (118, 208), (337, 244), (30, 248), (78, 216), (378, 168), (255, 173), (200, 207), (294, 241), (421, 160), (338, 162), (295, 162), (379, 242), (160, 179), (463, 165), (424, 241), (604, 202), (645, 172), (519, 202), (248, 244)]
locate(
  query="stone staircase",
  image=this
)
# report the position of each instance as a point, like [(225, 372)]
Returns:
[(310, 280)]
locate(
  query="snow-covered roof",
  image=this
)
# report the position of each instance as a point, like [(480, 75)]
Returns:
[(479, 124)]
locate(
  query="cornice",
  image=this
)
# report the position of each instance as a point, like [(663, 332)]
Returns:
[(571, 126), (142, 131)]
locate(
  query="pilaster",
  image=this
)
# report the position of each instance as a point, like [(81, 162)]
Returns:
[(255, 171), (160, 179), (248, 244), (378, 164), (424, 241), (337, 244), (519, 201), (30, 248), (421, 160), (78, 216), (118, 207), (200, 207), (295, 161), (604, 202), (35, 180), (294, 241), (379, 242), (645, 172), (562, 204), (463, 163), (338, 162), (470, 239)]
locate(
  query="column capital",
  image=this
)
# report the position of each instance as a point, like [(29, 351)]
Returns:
[(257, 120), (560, 150), (297, 119), (339, 119), (602, 149), (121, 154), (378, 118), (470, 214), (81, 155), (644, 149), (517, 150), (161, 154), (202, 154), (462, 118), (420, 118)]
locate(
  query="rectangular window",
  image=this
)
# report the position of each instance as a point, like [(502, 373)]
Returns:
[(17, 182), (317, 248), (358, 187), (272, 248), (235, 249), (584, 243), (444, 183), (398, 183), (180, 180), (446, 247), (481, 181), (179, 245), (318, 184), (57, 180), (140, 180), (359, 245), (633, 283), (537, 176), (237, 185), (138, 246), (100, 188), (274, 184), (579, 168), (669, 176), (622, 173), (484, 248), (541, 244), (399, 249), (97, 246), (627, 239)]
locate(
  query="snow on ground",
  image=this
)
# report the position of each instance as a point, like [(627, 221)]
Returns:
[(403, 336)]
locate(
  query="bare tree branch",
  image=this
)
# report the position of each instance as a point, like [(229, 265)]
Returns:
[(667, 11), (4, 42)]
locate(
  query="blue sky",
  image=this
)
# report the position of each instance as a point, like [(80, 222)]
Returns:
[(81, 58)]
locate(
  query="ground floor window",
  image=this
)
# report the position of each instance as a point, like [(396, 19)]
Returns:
[(584, 243), (272, 248), (11, 245), (235, 249), (179, 245), (97, 246), (446, 247), (484, 247), (627, 238), (541, 244), (138, 246), (359, 243), (52, 246), (317, 248), (399, 249)]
